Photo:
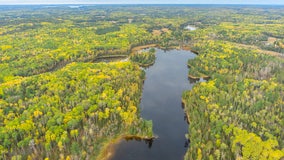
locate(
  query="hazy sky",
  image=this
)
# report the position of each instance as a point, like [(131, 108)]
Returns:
[(142, 1)]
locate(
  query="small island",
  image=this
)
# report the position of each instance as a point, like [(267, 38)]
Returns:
[(144, 58)]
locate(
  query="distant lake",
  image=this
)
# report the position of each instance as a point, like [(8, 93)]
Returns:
[(161, 102), (191, 28)]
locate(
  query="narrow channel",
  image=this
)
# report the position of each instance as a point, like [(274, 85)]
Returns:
[(161, 103)]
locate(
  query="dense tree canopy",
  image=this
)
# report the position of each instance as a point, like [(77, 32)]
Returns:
[(55, 103), (69, 112), (238, 112)]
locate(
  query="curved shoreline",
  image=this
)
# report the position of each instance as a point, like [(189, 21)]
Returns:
[(109, 147), (138, 48), (145, 65)]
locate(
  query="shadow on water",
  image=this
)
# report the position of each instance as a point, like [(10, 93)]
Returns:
[(161, 102), (148, 142)]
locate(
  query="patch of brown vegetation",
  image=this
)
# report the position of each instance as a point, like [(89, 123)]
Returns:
[(271, 40), (165, 30), (138, 48), (156, 32), (259, 50)]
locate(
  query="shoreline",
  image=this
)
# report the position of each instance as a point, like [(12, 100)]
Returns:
[(184, 109), (108, 148), (138, 48), (197, 78), (145, 65), (186, 48)]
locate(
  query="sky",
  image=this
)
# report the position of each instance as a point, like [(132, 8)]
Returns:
[(272, 2)]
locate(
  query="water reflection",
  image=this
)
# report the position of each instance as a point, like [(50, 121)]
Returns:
[(148, 142), (186, 144)]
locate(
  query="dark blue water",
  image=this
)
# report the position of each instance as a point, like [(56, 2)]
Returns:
[(161, 103)]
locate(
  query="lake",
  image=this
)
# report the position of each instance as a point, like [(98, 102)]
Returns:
[(161, 103)]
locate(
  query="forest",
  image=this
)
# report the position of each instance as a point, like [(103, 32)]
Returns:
[(58, 101), (71, 110), (238, 112), (238, 105)]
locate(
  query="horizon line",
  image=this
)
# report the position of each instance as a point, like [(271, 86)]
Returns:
[(140, 4)]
